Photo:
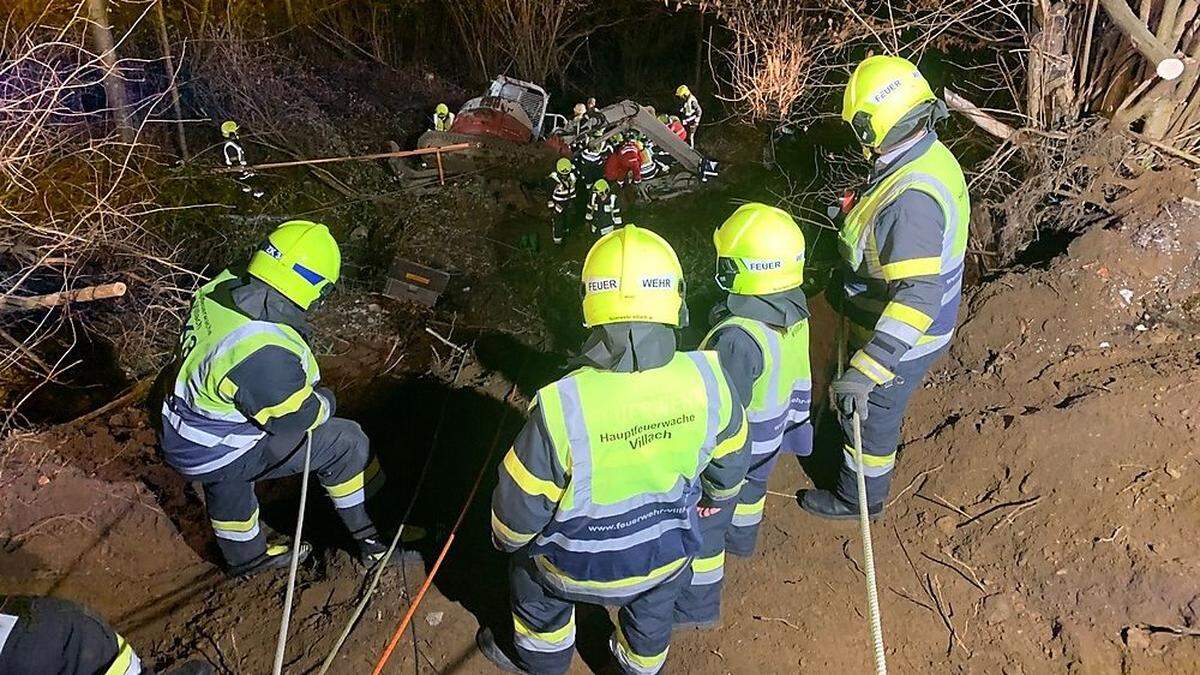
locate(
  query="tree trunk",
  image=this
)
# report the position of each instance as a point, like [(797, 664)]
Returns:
[(1166, 63), (169, 61), (114, 86)]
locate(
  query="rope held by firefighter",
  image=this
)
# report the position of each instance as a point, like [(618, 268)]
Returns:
[(281, 642)]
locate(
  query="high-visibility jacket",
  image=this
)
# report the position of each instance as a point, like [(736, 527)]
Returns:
[(782, 393), (203, 429), (874, 265), (594, 150), (690, 111), (443, 123), (233, 153), (564, 186), (605, 205), (608, 509)]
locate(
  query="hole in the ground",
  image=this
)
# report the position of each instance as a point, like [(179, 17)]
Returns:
[(1047, 246)]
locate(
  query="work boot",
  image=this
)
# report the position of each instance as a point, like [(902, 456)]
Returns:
[(278, 556), (371, 550), (490, 648), (826, 504)]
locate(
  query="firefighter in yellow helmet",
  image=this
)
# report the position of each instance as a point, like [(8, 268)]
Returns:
[(603, 210), (760, 332), (246, 398), (563, 200), (443, 119), (235, 156), (903, 243), (689, 112), (598, 498)]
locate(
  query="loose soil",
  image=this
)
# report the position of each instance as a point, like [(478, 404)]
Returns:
[(1043, 518)]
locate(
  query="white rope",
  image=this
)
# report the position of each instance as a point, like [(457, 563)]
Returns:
[(864, 523), (281, 643), (864, 519)]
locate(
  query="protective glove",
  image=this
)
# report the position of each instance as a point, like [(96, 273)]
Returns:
[(848, 394)]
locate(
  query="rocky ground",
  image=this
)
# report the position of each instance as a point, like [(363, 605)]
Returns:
[(1043, 519)]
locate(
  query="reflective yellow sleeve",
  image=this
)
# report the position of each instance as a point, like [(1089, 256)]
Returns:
[(288, 406), (913, 267), (913, 317), (529, 483), (735, 442), (863, 362)]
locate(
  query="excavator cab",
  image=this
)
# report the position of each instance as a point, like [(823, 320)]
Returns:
[(511, 110)]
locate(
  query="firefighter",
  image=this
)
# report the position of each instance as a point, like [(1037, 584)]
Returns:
[(903, 243), (576, 125), (235, 156), (49, 636), (563, 183), (591, 157), (600, 497), (689, 112), (247, 399), (443, 119), (760, 333), (673, 123), (603, 212), (650, 166)]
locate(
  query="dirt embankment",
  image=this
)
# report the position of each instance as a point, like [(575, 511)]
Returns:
[(1044, 514)]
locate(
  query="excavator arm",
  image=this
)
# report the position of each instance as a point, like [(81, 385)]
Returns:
[(629, 115)]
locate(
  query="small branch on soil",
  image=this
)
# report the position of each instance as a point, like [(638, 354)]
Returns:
[(1113, 537), (969, 579), (15, 541), (913, 600), (942, 502), (846, 553), (1181, 631), (443, 340), (933, 587), (913, 482), (1023, 503), (772, 618), (138, 390)]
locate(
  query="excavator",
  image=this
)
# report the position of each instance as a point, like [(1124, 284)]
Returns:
[(513, 114)]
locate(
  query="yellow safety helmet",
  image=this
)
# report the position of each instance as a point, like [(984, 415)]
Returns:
[(632, 274), (442, 109), (564, 165), (600, 185), (883, 91), (229, 128), (300, 259), (682, 91), (760, 250)]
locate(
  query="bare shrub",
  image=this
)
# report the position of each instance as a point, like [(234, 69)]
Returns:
[(74, 203), (536, 39)]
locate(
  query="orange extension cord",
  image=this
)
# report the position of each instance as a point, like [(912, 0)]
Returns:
[(412, 609)]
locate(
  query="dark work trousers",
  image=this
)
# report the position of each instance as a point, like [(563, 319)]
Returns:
[(881, 432), (562, 214), (699, 604), (49, 636), (544, 623), (340, 453)]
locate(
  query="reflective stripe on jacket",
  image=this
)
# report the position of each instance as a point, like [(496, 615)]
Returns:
[(874, 266), (202, 428), (782, 393), (635, 452)]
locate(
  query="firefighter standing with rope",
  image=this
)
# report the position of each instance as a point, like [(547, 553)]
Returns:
[(761, 335), (601, 496), (246, 394), (903, 242)]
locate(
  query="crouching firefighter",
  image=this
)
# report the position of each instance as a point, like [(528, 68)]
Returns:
[(599, 496), (760, 332), (902, 243), (247, 400), (564, 188), (50, 636)]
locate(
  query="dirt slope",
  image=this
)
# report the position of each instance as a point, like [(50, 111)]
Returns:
[(1045, 512)]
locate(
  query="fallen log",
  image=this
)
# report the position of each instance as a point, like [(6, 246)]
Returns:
[(985, 121), (1167, 64), (103, 291)]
